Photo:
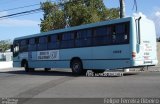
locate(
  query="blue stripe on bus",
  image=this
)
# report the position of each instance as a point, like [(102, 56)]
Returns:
[(81, 59)]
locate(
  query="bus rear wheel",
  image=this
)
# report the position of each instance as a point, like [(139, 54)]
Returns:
[(77, 67), (47, 69)]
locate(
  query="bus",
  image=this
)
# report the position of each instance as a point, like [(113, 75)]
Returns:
[(115, 44)]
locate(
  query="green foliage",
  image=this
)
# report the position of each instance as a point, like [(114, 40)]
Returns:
[(4, 45), (112, 13), (74, 12), (53, 17)]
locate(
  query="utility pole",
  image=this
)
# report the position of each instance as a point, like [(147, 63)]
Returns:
[(122, 8)]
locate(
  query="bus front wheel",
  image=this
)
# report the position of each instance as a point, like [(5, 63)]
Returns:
[(77, 67), (26, 67)]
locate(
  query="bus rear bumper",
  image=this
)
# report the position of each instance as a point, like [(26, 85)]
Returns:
[(144, 62)]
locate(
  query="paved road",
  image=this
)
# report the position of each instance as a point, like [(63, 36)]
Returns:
[(61, 84)]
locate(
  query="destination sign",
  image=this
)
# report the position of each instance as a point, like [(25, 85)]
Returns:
[(48, 55)]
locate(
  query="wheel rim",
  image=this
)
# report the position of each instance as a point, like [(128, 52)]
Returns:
[(76, 67)]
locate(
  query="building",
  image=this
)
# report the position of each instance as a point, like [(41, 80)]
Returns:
[(6, 56)]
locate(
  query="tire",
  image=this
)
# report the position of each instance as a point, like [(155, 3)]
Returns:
[(31, 69), (26, 67), (77, 67), (98, 71), (47, 69)]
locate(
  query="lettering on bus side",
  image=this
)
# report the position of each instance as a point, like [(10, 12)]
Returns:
[(117, 51), (48, 55)]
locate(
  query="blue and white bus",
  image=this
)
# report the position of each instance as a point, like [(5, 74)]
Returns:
[(115, 44)]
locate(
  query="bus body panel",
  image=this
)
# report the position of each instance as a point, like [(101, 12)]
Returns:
[(95, 57), (65, 56), (110, 56), (107, 64), (103, 55), (111, 52)]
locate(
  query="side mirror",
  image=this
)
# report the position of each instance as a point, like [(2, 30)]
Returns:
[(12, 49)]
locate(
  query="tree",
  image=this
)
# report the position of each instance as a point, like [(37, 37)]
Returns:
[(74, 12), (5, 45), (53, 17)]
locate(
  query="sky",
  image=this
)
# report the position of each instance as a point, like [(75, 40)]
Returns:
[(11, 28)]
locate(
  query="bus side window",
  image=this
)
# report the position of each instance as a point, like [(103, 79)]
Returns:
[(109, 35), (83, 38), (54, 41), (48, 39), (126, 37), (32, 44), (59, 37), (23, 47), (100, 36), (113, 34), (42, 43), (67, 40), (15, 48), (120, 34)]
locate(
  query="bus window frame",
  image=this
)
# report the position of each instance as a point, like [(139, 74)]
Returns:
[(125, 33), (16, 48), (83, 38), (59, 38), (23, 45)]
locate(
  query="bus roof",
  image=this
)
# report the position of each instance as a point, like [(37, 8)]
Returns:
[(85, 26)]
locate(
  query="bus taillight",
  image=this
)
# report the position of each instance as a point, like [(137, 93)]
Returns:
[(133, 54)]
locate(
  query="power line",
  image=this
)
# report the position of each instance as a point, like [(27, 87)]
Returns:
[(26, 12), (8, 2), (20, 13), (21, 7)]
